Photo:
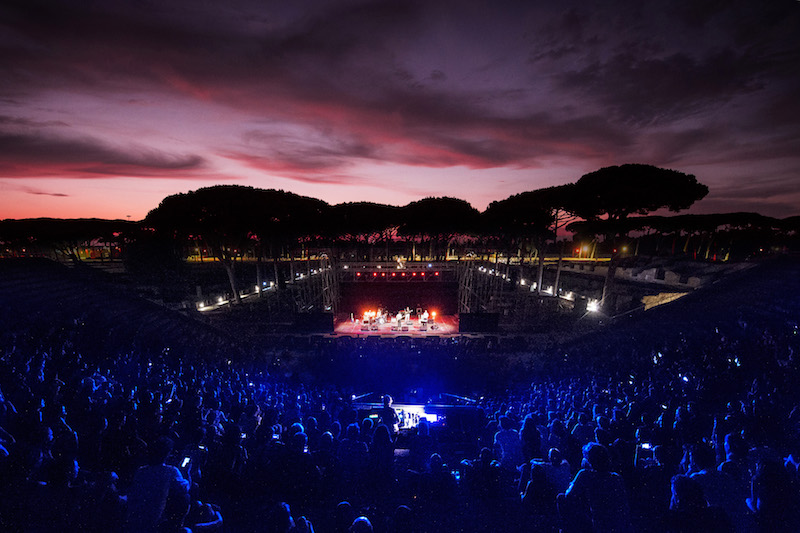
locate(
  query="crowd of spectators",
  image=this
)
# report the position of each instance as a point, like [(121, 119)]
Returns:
[(692, 433)]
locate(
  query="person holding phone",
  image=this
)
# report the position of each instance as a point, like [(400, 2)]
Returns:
[(154, 484)]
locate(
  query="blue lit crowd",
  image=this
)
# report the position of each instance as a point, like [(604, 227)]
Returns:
[(695, 432)]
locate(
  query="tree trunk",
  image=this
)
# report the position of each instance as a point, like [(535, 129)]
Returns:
[(228, 264), (558, 269), (608, 285), (607, 300), (259, 274), (708, 248), (540, 273), (278, 280)]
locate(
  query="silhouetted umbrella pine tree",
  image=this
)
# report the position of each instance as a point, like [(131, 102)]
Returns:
[(616, 192), (230, 218)]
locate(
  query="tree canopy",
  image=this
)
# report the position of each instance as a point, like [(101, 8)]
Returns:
[(62, 236), (676, 224), (231, 220), (533, 212), (354, 220), (234, 210), (438, 217), (228, 217), (619, 191)]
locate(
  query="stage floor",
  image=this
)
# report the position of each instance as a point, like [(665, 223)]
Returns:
[(445, 325)]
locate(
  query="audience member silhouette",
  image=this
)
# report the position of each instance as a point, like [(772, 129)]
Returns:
[(773, 500), (388, 415), (507, 445), (689, 512), (539, 497), (596, 497), (361, 524), (531, 439), (153, 486), (719, 488), (482, 475)]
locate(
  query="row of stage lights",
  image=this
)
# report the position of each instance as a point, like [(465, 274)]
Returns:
[(398, 267), (394, 274), (369, 314)]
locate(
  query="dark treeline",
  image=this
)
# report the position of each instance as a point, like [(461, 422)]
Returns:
[(607, 210)]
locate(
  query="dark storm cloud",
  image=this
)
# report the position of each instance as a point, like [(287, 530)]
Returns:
[(473, 84), (480, 141), (652, 91), (338, 57), (296, 168), (45, 193), (657, 64), (781, 111), (774, 196), (752, 186), (566, 35), (713, 144), (140, 40), (38, 192), (487, 141), (324, 152), (21, 154), (699, 12), (672, 147), (28, 123), (15, 185)]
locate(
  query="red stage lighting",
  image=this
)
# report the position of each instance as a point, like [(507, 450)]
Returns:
[(393, 274), (436, 274), (358, 273), (423, 274), (413, 273), (374, 274)]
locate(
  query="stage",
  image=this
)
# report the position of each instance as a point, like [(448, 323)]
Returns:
[(444, 325)]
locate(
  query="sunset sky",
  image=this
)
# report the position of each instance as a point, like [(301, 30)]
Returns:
[(106, 107)]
